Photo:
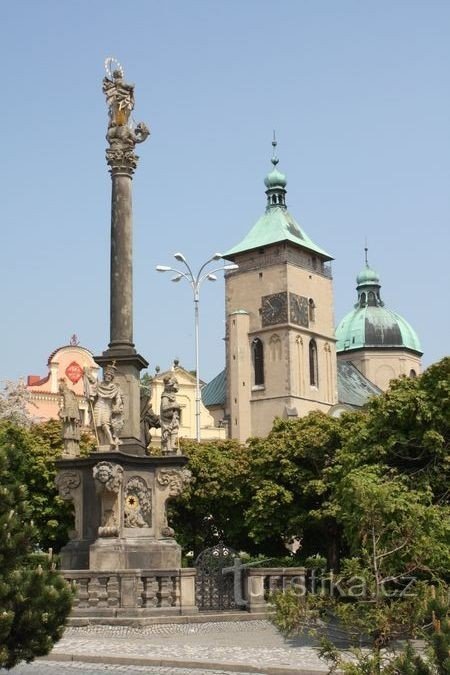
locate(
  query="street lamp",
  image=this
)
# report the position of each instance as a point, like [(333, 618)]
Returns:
[(195, 281)]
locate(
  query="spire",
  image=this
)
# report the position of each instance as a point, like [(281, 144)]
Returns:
[(275, 182), (274, 159)]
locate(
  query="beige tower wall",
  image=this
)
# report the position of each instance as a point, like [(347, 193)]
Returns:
[(239, 377), (286, 346), (381, 366)]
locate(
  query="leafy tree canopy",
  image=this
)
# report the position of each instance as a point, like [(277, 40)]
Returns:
[(32, 453)]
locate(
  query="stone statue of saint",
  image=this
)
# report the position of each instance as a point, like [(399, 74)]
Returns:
[(123, 134), (119, 97), (149, 419), (69, 413), (169, 416), (107, 407)]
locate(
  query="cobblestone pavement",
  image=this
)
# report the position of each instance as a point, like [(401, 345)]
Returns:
[(234, 644), (74, 667)]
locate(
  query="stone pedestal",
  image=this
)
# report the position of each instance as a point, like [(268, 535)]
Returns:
[(129, 366), (120, 503)]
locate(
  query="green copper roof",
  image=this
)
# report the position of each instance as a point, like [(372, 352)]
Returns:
[(375, 327), (367, 276), (215, 392), (371, 324), (277, 224), (275, 179), (354, 388), (274, 226)]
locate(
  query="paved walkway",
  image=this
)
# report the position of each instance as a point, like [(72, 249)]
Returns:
[(180, 649)]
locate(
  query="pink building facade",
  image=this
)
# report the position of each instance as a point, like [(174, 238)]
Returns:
[(68, 363)]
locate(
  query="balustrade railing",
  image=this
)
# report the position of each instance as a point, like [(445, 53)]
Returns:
[(148, 591)]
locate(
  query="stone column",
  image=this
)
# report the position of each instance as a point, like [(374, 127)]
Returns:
[(121, 309), (122, 161)]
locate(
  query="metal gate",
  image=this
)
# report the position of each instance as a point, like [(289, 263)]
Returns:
[(214, 590)]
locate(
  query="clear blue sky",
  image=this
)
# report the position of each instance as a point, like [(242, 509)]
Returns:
[(357, 91)]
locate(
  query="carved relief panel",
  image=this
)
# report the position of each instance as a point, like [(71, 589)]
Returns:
[(138, 503)]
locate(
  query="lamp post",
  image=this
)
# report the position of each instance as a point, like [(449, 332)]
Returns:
[(195, 281)]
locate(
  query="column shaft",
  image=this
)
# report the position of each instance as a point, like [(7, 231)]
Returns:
[(121, 310)]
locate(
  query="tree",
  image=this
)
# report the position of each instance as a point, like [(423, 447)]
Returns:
[(212, 507), (15, 402), (407, 429), (34, 598), (386, 488), (32, 456), (287, 484), (399, 543)]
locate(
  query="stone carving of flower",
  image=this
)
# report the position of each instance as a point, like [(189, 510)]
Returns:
[(132, 502)]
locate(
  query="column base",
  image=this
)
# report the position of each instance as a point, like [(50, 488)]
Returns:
[(143, 553)]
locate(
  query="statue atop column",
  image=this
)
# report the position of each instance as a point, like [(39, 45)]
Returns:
[(169, 417), (107, 405), (122, 133), (69, 414)]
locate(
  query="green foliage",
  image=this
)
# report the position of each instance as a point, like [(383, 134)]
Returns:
[(34, 598), (406, 431), (287, 484), (385, 486), (212, 507), (32, 454)]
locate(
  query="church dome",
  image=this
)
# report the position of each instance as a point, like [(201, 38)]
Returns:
[(371, 324), (376, 327)]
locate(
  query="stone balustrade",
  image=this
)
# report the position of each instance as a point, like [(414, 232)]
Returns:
[(133, 592), (261, 581)]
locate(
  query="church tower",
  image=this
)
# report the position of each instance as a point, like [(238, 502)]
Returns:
[(280, 356), (379, 342)]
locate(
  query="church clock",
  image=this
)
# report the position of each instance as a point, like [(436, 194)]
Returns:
[(299, 310), (274, 309)]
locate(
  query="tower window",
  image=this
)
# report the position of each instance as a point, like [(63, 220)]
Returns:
[(313, 364), (363, 299), (412, 373), (258, 361), (371, 299), (312, 309)]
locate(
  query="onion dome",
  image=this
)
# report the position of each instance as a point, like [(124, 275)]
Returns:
[(367, 276), (275, 179), (275, 182)]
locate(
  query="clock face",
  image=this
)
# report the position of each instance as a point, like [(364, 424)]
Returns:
[(274, 309), (299, 310)]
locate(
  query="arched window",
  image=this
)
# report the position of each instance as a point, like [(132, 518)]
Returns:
[(363, 299), (412, 373), (313, 364), (371, 299), (312, 309), (258, 362)]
